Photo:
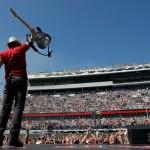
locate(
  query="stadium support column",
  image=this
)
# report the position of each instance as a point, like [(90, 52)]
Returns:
[(94, 118)]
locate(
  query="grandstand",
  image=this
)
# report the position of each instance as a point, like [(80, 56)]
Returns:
[(117, 96), (109, 77)]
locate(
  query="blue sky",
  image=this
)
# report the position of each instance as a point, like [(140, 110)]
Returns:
[(85, 33)]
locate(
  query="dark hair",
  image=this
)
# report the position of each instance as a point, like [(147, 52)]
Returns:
[(13, 44)]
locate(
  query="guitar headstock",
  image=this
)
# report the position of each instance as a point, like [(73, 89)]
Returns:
[(13, 12)]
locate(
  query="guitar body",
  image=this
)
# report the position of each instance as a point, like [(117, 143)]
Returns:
[(42, 39)]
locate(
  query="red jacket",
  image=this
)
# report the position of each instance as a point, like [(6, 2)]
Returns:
[(14, 60)]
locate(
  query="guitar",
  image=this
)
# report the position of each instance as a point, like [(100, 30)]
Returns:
[(42, 39)]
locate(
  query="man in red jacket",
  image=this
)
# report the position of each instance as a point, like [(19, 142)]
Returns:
[(14, 61)]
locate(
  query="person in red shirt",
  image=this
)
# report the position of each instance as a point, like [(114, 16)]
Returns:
[(14, 61)]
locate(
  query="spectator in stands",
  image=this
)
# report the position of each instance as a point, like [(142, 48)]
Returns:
[(89, 138)]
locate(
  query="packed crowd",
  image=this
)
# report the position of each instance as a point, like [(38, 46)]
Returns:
[(80, 102), (88, 137), (91, 101), (70, 124), (84, 123)]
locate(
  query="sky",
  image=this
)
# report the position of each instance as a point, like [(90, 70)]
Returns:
[(85, 33)]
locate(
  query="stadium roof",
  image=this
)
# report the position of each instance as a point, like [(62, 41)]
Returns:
[(89, 71)]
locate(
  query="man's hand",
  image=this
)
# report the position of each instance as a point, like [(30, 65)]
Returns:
[(33, 35), (33, 32)]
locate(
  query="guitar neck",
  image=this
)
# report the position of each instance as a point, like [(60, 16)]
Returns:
[(23, 22)]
